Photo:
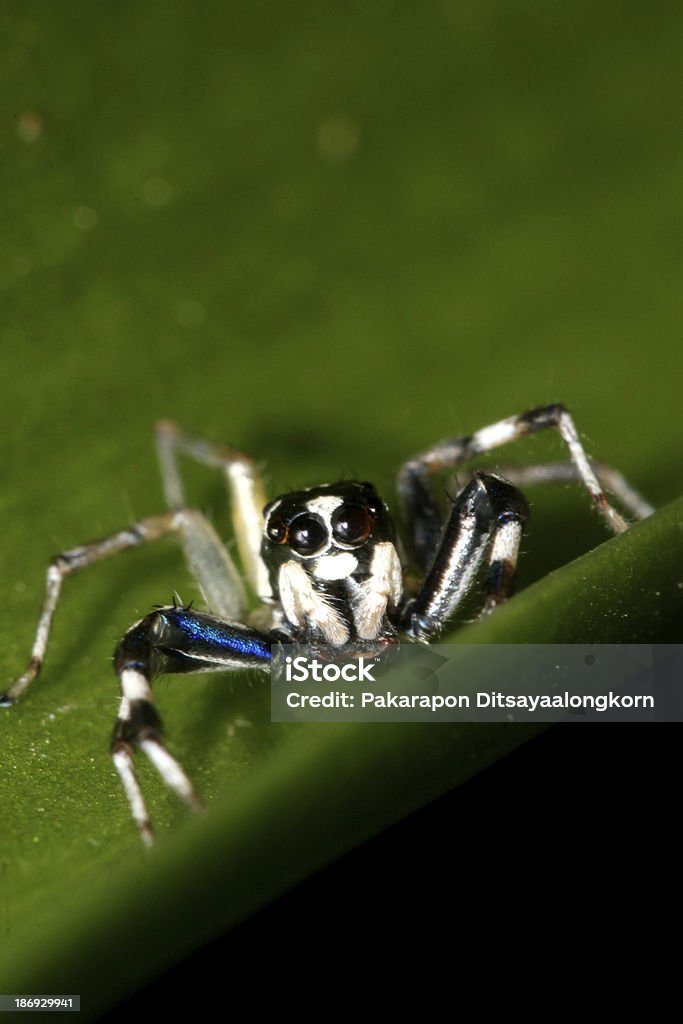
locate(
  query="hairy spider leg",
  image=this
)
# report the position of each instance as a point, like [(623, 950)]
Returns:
[(487, 516), (211, 563), (420, 507), (170, 639), (245, 490)]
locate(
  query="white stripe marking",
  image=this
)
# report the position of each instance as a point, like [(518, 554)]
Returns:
[(170, 771), (335, 567), (124, 766), (134, 685), (505, 547)]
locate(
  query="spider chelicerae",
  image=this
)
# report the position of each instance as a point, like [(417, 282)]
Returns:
[(324, 563)]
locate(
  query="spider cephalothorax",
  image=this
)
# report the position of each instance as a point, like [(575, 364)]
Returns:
[(332, 562), (324, 563)]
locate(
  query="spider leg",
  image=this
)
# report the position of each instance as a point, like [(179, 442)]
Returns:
[(419, 504), (244, 487), (566, 472), (487, 516), (170, 640), (211, 562)]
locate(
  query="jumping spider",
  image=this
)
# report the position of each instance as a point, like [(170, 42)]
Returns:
[(323, 562)]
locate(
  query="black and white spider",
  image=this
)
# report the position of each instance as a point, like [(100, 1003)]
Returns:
[(324, 563)]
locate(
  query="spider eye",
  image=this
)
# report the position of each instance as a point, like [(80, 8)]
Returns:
[(277, 531), (307, 534), (352, 524)]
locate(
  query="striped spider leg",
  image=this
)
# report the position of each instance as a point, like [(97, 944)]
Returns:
[(203, 642), (171, 639), (489, 513)]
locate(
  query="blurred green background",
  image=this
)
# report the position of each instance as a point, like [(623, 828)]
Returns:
[(329, 234)]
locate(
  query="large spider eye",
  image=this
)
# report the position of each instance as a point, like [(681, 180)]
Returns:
[(352, 524), (307, 534)]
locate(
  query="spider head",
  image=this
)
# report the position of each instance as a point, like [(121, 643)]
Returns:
[(332, 529)]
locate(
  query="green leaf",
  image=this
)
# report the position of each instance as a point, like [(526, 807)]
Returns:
[(330, 235)]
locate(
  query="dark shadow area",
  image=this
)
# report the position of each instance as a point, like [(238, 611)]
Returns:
[(564, 842)]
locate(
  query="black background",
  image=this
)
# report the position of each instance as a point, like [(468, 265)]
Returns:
[(551, 862)]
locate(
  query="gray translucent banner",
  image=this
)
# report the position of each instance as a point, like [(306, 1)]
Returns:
[(480, 683), (41, 1004)]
